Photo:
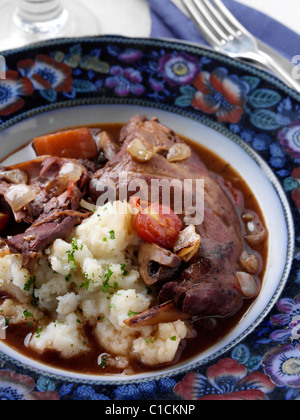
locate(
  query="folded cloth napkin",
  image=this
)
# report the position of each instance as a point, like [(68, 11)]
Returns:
[(169, 22)]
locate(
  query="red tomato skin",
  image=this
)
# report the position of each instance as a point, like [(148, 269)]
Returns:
[(161, 228)]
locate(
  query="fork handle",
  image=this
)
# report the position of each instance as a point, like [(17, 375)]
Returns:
[(283, 68)]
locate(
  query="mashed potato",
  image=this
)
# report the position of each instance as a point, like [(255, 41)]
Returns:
[(91, 278)]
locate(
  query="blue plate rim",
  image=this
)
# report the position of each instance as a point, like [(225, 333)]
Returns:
[(188, 47)]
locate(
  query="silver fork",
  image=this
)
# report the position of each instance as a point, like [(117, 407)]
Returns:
[(225, 34)]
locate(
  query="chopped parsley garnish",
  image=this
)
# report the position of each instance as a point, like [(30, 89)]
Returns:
[(71, 257), (174, 338), (38, 333), (30, 282), (68, 277), (6, 322), (35, 300), (131, 313), (148, 341), (124, 271), (27, 314), (75, 244), (103, 362), (71, 260), (28, 285), (105, 286), (112, 234), (85, 285)]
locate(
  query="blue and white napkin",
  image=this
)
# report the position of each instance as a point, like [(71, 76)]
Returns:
[(169, 22)]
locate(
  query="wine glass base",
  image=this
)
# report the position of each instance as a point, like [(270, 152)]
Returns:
[(53, 26), (75, 20)]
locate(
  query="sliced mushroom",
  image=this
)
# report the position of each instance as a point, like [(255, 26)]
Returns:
[(250, 287), (165, 313), (157, 265)]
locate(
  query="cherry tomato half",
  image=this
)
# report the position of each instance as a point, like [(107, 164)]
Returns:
[(158, 224)]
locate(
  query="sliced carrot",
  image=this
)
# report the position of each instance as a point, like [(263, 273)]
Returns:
[(74, 144)]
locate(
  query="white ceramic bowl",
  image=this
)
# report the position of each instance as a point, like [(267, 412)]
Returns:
[(247, 163)]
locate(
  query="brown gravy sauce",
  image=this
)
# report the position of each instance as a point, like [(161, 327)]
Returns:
[(206, 337)]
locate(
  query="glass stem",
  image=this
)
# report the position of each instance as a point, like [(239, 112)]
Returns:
[(41, 16)]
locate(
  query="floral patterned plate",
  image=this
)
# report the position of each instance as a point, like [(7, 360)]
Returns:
[(247, 116)]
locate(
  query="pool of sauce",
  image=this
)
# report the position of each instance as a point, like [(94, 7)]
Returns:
[(189, 348)]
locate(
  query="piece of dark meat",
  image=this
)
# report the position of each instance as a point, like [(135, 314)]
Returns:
[(35, 240), (57, 223), (42, 173), (55, 211), (207, 286)]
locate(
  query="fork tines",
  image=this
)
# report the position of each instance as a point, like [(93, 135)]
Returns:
[(218, 25)]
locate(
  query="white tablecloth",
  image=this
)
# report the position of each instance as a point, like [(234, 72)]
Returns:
[(132, 17)]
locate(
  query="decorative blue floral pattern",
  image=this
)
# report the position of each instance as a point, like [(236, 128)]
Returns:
[(125, 81), (179, 69), (208, 87)]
